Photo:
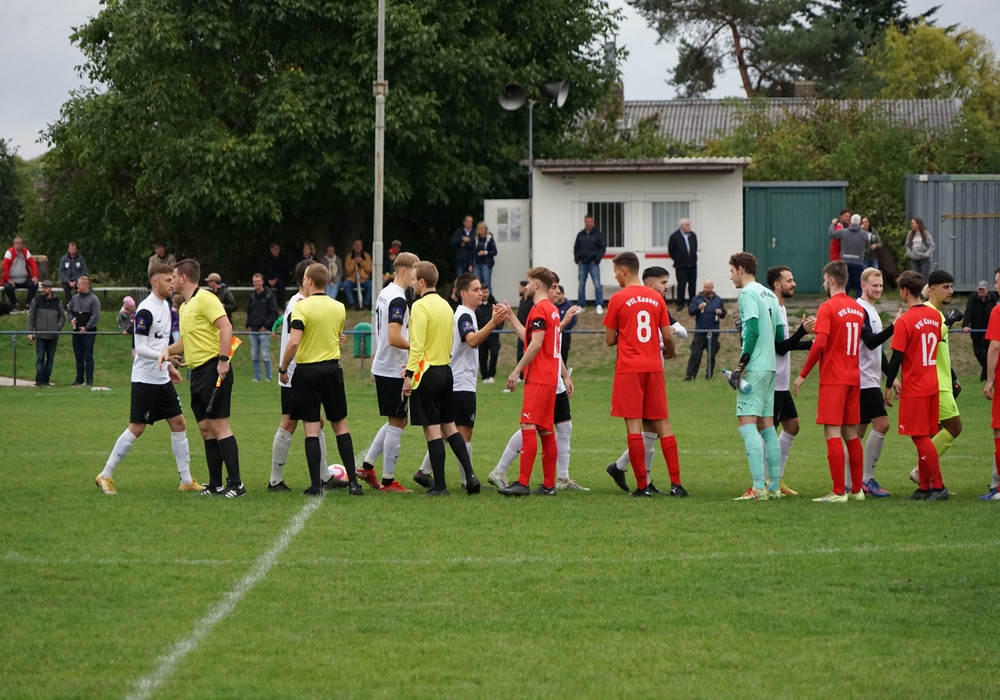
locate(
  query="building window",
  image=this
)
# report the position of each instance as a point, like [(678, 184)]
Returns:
[(666, 219), (609, 219)]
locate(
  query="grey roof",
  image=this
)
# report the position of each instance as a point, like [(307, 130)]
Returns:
[(698, 121), (641, 165)]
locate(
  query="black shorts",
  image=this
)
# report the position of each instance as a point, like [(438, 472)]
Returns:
[(286, 399), (464, 404), (389, 391), (203, 380), (431, 402), (153, 402), (315, 386), (561, 414), (784, 406), (872, 404)]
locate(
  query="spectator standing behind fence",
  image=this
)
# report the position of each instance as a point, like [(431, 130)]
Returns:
[(462, 245), (567, 319), (20, 271), (919, 247), (683, 250), (489, 350), (874, 243), (389, 263), (71, 268), (588, 251), (275, 272), (84, 313), (160, 256), (485, 252), (220, 290), (262, 311), (853, 247), (835, 225), (358, 275), (708, 310), (335, 267), (977, 315), (46, 317)]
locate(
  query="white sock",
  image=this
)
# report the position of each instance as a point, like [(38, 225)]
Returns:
[(848, 481), (425, 466), (322, 453), (378, 445), (510, 453), (785, 441), (122, 446), (279, 455), (649, 441), (391, 447), (994, 477), (182, 455), (564, 431), (873, 449)]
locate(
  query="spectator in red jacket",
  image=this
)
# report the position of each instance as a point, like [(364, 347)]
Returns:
[(19, 272)]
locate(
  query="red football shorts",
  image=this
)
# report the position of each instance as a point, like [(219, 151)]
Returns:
[(918, 415), (838, 404), (539, 406), (639, 395)]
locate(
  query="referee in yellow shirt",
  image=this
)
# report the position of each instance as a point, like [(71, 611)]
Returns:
[(431, 330), (318, 382), (206, 335)]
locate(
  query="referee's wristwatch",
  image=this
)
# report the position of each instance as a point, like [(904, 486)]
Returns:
[(223, 358), (282, 371)]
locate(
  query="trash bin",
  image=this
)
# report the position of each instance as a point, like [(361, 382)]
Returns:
[(363, 340)]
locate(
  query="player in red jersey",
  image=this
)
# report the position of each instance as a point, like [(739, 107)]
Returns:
[(635, 314), (540, 363), (914, 347), (989, 390), (838, 334)]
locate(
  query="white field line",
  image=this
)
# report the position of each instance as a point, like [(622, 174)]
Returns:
[(863, 550), (146, 686)]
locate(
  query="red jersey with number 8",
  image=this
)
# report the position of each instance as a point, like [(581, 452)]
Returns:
[(841, 318), (637, 313), (917, 334)]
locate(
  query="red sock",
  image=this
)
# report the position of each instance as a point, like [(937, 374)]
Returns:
[(856, 458), (637, 456), (928, 466), (996, 452), (669, 446), (835, 458), (550, 450), (529, 450)]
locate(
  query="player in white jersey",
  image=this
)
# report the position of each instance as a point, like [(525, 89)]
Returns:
[(392, 348), (657, 278), (872, 363), (282, 443), (466, 339), (782, 283), (153, 393)]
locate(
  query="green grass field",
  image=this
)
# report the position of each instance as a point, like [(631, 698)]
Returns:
[(157, 593)]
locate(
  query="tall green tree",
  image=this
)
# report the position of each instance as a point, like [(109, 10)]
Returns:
[(219, 126), (10, 202)]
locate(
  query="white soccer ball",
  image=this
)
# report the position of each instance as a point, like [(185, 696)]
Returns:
[(338, 471)]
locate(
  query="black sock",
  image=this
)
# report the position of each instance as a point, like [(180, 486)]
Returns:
[(231, 456), (214, 459), (386, 482), (345, 446), (457, 445), (435, 450), (313, 460)]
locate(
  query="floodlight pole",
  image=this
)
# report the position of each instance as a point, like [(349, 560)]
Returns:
[(380, 88)]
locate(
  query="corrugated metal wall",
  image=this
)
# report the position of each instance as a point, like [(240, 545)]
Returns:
[(963, 214), (786, 223)]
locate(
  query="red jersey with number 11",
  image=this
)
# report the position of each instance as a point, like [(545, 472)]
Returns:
[(637, 313), (917, 334), (841, 318)]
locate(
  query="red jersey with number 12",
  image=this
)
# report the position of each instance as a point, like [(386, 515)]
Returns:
[(917, 334), (637, 313), (841, 318), (544, 369)]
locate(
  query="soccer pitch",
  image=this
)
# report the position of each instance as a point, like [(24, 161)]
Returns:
[(158, 593)]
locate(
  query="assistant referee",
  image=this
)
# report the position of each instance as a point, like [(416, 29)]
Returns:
[(318, 382)]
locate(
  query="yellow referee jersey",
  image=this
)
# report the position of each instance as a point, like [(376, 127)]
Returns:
[(431, 322), (197, 322), (321, 320)]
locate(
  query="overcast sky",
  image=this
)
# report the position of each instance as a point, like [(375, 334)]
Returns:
[(37, 61)]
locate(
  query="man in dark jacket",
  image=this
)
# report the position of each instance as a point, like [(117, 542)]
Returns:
[(262, 312), (977, 316), (588, 250), (84, 313), (489, 350), (46, 317), (220, 290), (683, 250), (464, 246), (708, 309), (274, 269), (71, 268)]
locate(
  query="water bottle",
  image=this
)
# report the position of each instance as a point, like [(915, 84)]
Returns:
[(100, 388), (745, 386)]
